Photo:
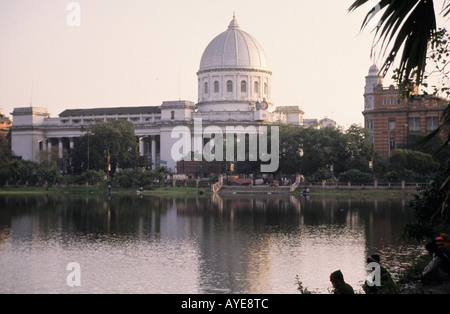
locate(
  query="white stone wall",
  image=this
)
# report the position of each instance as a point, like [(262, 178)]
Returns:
[(222, 100)]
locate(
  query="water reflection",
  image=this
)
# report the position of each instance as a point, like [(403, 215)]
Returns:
[(195, 245)]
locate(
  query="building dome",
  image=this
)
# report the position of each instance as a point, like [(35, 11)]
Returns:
[(374, 70), (233, 74), (233, 49)]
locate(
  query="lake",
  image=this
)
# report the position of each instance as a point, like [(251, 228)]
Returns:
[(197, 244)]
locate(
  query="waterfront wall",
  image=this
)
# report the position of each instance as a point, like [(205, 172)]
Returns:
[(374, 186)]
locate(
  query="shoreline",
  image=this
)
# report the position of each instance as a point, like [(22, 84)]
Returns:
[(194, 191)]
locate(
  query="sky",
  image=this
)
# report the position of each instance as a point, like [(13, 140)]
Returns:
[(144, 52)]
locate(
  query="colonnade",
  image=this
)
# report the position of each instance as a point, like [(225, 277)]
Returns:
[(147, 146)]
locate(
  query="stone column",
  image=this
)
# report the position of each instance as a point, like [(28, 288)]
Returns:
[(154, 152), (60, 148), (141, 147)]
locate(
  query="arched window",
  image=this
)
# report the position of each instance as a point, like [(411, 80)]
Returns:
[(229, 86), (206, 87), (216, 87), (243, 87), (265, 88), (256, 87)]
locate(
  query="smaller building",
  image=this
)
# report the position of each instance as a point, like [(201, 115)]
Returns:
[(319, 124), (5, 126), (390, 119)]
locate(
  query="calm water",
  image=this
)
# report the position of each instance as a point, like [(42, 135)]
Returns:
[(195, 245)]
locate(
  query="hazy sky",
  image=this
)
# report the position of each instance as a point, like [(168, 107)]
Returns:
[(144, 52)]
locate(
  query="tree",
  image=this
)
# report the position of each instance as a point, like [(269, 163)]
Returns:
[(414, 141), (431, 218), (360, 150), (406, 161), (324, 152), (48, 172), (106, 145), (411, 25), (290, 149), (355, 176)]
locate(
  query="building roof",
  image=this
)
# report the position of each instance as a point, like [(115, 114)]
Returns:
[(110, 111), (233, 49)]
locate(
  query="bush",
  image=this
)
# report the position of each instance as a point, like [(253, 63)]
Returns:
[(48, 171), (322, 174), (126, 178), (404, 175), (92, 177), (355, 176), (412, 165)]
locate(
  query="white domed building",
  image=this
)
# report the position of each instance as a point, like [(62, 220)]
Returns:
[(234, 89), (233, 72)]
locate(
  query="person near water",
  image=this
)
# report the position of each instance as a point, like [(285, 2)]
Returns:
[(386, 284), (438, 269), (339, 284)]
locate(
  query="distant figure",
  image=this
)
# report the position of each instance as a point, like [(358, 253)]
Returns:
[(438, 269), (387, 285), (339, 285)]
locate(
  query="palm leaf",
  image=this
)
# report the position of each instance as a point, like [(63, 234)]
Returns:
[(404, 24), (445, 8)]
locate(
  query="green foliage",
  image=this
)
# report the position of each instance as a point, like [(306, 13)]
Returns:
[(303, 290), (114, 140), (412, 165), (321, 153), (322, 174), (138, 177), (126, 178), (48, 172), (414, 141), (92, 177), (431, 208), (355, 176)]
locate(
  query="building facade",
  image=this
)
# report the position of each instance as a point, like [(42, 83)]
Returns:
[(390, 119), (234, 89)]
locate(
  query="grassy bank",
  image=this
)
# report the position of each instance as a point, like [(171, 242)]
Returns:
[(192, 191), (101, 189), (178, 191), (37, 190), (358, 193)]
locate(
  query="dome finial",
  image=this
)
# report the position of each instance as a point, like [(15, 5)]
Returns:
[(234, 23)]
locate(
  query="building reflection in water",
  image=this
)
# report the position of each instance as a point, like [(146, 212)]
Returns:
[(236, 244)]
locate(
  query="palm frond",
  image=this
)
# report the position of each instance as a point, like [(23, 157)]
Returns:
[(404, 24), (445, 8)]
